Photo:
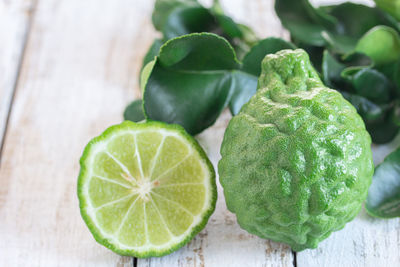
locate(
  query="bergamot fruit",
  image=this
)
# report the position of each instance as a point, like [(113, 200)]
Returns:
[(145, 189), (296, 161)]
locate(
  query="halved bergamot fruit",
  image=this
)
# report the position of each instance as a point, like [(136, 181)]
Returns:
[(145, 189)]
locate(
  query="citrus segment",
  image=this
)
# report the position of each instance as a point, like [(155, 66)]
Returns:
[(189, 196), (103, 191), (108, 215), (157, 228), (132, 230), (177, 218), (123, 149), (149, 144), (105, 166), (188, 171), (172, 154)]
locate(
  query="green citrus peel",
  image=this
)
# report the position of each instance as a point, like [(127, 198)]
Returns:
[(296, 161)]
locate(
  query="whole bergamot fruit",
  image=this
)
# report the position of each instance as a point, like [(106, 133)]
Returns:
[(296, 161)]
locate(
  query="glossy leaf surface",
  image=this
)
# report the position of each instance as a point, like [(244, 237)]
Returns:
[(384, 194), (196, 76), (134, 111)]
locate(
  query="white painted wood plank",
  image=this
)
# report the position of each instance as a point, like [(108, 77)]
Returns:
[(222, 242), (14, 24), (80, 70)]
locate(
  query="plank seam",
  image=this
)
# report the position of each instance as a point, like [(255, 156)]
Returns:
[(18, 74), (294, 258)]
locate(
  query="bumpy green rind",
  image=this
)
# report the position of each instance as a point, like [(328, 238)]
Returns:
[(83, 201), (296, 161)]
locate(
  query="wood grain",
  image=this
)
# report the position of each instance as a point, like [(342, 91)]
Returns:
[(15, 18), (79, 72)]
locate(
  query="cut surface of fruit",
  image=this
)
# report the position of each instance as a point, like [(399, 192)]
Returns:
[(145, 189)]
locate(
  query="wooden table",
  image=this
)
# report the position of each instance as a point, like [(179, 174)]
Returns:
[(67, 70)]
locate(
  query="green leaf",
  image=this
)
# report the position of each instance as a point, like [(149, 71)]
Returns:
[(179, 17), (193, 100), (229, 27), (384, 130), (339, 73), (374, 93), (354, 20), (354, 64), (345, 38), (395, 116), (338, 26), (304, 22), (338, 43), (196, 76), (252, 61), (367, 109), (188, 20), (373, 85), (383, 199), (243, 87), (357, 60), (381, 44), (164, 8), (145, 74), (331, 71), (390, 6), (379, 119), (134, 111), (393, 72), (240, 36), (191, 81), (198, 52), (152, 52)]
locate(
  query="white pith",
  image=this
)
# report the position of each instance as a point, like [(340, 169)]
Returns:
[(142, 189)]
